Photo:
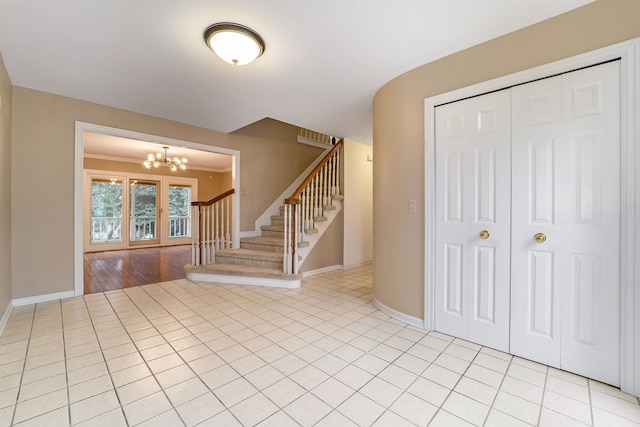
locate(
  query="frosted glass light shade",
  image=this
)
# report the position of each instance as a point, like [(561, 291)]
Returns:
[(234, 43)]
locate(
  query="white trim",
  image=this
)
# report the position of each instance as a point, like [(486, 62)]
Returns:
[(43, 298), (5, 317), (80, 128), (310, 273), (229, 279), (360, 264), (411, 320), (630, 167)]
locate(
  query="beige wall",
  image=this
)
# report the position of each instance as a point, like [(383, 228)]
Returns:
[(43, 127), (269, 142), (358, 203), (328, 251), (210, 184), (5, 189), (399, 129)]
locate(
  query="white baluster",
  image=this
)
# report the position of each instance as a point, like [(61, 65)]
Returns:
[(223, 244), (216, 227), (325, 190), (194, 239), (338, 172), (228, 237), (295, 241), (287, 250), (205, 224)]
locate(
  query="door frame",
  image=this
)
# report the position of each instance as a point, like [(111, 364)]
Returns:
[(78, 194), (630, 194)]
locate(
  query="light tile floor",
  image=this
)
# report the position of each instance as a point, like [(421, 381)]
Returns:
[(183, 353)]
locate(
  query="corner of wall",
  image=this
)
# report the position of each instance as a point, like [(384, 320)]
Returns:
[(6, 107)]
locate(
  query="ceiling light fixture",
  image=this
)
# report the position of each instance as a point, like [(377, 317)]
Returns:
[(234, 43), (158, 159)]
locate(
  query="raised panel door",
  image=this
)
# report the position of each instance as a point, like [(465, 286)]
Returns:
[(472, 197)]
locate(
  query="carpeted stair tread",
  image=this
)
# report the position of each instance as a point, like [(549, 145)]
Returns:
[(263, 240), (250, 254)]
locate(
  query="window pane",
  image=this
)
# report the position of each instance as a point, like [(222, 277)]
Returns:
[(106, 211), (143, 211), (179, 211)]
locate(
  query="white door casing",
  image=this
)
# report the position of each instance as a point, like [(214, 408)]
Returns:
[(628, 208), (473, 219)]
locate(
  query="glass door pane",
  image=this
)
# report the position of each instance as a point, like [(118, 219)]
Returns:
[(143, 220), (179, 211), (106, 210)]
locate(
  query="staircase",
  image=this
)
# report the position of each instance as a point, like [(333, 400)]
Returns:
[(271, 259)]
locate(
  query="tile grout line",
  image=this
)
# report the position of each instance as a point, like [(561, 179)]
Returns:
[(26, 354), (104, 359)]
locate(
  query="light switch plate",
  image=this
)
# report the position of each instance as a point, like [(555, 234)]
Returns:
[(412, 207)]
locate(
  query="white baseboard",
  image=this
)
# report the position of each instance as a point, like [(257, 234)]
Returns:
[(43, 298), (321, 270), (228, 279), (5, 317), (360, 264), (411, 320)]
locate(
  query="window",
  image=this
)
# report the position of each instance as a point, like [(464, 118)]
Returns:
[(179, 211), (106, 210)]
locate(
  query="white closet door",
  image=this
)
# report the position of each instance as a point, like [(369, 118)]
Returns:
[(473, 219), (536, 282), (566, 181), (591, 232)]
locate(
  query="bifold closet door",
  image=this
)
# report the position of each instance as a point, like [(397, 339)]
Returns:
[(473, 176), (566, 222)]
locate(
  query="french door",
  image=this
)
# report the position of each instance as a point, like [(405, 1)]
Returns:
[(539, 274), (127, 211), (144, 212)]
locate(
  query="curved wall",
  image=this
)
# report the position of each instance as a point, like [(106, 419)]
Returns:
[(398, 130)]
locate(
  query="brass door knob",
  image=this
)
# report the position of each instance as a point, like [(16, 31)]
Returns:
[(484, 234), (540, 238)]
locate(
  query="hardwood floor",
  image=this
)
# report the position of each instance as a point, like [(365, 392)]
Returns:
[(105, 271)]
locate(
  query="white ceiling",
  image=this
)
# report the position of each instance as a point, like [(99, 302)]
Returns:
[(115, 148), (323, 63)]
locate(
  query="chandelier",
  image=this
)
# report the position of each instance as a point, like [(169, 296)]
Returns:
[(158, 159)]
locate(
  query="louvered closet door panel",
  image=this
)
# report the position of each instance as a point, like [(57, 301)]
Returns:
[(591, 233), (473, 195), (536, 281)]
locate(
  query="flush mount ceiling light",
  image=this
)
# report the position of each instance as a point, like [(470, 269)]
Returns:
[(234, 43), (158, 159)]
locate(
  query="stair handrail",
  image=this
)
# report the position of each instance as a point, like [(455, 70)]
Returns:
[(215, 199), (314, 172), (211, 228), (306, 204)]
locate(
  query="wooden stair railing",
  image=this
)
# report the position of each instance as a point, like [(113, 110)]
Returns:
[(211, 228), (306, 205)]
